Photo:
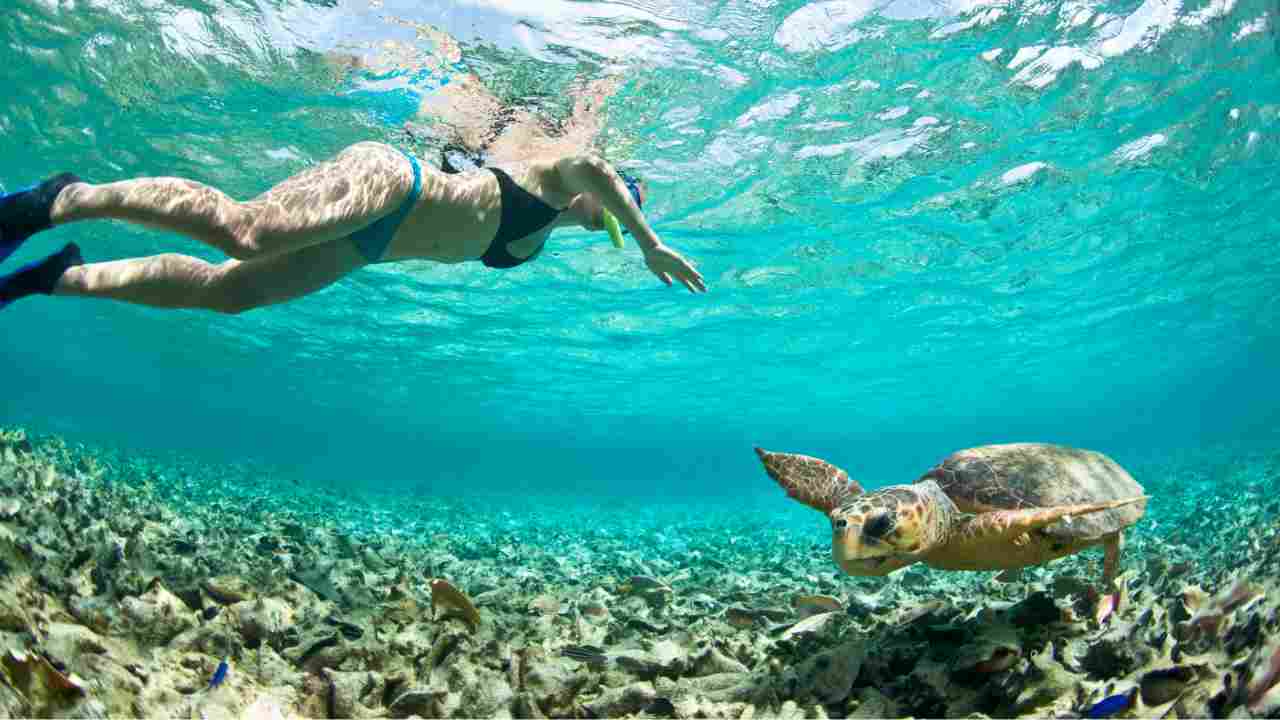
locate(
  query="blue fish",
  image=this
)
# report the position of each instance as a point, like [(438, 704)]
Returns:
[(1107, 707), (219, 675)]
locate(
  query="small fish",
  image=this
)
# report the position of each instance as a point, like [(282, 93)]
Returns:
[(1107, 605), (1107, 707), (589, 654), (219, 675)]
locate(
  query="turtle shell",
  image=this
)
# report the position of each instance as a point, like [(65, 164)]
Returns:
[(1036, 475)]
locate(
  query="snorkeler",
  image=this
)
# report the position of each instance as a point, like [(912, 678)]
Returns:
[(369, 204)]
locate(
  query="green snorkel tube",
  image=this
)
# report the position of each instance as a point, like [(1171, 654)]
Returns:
[(611, 225)]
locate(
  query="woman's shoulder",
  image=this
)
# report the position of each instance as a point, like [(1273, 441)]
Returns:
[(534, 171), (539, 166)]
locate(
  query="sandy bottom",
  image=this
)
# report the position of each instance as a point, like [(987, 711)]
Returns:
[(127, 583)]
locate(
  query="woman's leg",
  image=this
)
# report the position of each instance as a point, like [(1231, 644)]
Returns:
[(322, 203), (182, 281)]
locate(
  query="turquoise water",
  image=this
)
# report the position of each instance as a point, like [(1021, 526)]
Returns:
[(925, 225)]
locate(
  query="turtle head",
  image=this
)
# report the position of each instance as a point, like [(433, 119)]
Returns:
[(893, 525)]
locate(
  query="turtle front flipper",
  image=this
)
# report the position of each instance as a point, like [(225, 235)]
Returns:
[(874, 567), (999, 539), (816, 483)]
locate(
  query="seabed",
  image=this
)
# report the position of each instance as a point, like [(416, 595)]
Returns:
[(126, 582)]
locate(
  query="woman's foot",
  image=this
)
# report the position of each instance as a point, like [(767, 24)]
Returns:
[(38, 277), (26, 212)]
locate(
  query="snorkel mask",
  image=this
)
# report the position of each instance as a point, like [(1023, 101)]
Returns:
[(611, 222), (633, 186)]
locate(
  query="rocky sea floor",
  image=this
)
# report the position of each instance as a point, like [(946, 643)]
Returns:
[(134, 587)]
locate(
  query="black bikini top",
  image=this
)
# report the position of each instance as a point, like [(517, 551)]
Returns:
[(523, 214)]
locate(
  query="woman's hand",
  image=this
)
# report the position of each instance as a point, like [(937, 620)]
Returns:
[(667, 263)]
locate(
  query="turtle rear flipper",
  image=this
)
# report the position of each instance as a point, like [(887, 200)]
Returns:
[(971, 541), (816, 483)]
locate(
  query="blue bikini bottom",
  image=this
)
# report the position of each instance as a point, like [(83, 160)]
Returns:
[(374, 239)]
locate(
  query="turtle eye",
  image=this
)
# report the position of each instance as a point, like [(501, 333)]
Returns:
[(878, 526), (841, 524)]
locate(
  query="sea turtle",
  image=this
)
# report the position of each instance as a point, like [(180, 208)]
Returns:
[(995, 507)]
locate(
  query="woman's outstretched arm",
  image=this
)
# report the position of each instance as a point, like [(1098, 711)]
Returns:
[(590, 174)]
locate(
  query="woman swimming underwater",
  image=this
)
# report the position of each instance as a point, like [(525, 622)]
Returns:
[(369, 204)]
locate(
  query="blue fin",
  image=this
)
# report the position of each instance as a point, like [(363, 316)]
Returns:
[(38, 277), (26, 212)]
